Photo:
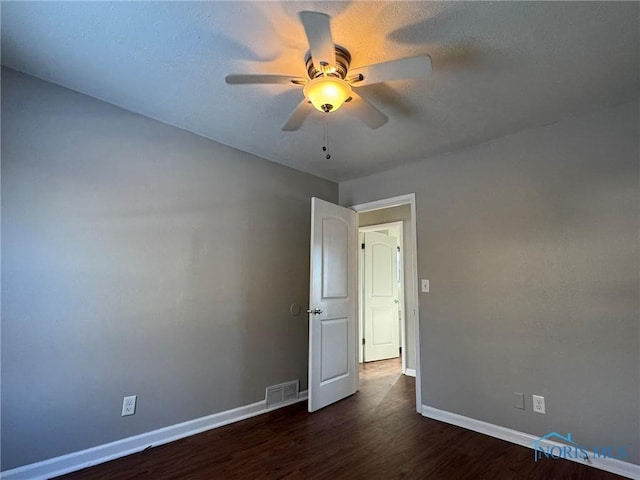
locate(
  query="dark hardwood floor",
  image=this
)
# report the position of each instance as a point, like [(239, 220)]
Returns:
[(375, 434)]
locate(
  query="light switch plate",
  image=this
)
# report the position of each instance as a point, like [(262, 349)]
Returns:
[(518, 400), (425, 286)]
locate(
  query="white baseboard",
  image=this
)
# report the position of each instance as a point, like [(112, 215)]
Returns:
[(410, 372), (611, 465), (120, 448)]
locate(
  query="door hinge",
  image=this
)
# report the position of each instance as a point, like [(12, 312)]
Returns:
[(363, 246), (363, 341)]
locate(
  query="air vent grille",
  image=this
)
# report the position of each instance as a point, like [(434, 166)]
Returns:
[(283, 392)]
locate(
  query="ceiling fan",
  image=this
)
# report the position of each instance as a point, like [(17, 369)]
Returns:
[(331, 81)]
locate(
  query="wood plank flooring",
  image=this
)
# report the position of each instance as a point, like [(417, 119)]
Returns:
[(375, 434)]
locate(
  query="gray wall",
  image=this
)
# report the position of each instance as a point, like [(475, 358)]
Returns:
[(138, 258), (397, 214), (531, 245)]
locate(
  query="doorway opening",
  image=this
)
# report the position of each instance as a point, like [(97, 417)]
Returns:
[(386, 224), (381, 297)]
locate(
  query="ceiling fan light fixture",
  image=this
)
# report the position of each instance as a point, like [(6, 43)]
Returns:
[(327, 94)]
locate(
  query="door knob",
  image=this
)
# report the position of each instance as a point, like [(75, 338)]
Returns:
[(315, 311)]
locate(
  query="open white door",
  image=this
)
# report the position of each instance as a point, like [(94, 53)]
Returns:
[(381, 319), (333, 363)]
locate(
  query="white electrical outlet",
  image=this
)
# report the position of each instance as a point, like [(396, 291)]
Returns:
[(129, 405), (538, 404)]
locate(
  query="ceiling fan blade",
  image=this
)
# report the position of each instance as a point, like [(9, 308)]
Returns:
[(317, 26), (264, 79), (298, 116), (410, 67), (362, 109)]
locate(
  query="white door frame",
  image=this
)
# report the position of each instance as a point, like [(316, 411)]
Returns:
[(409, 199), (397, 227)]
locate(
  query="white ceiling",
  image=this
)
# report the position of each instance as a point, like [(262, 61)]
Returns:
[(499, 67)]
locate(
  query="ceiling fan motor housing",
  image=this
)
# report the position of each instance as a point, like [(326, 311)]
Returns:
[(340, 69)]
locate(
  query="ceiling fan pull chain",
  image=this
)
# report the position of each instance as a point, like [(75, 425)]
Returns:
[(325, 147)]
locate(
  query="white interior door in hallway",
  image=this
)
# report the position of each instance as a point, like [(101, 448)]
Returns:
[(380, 297)]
